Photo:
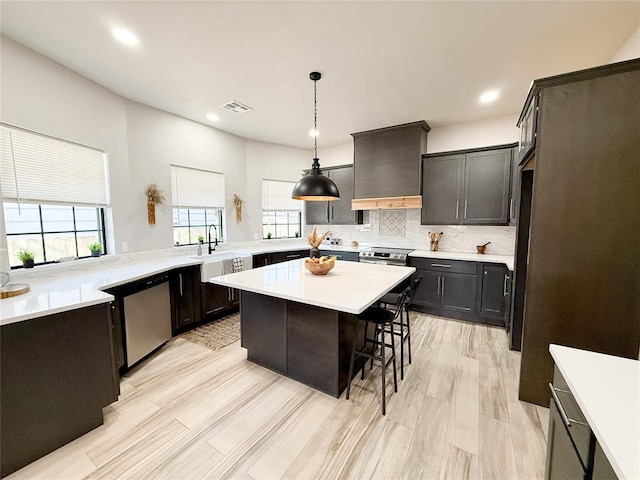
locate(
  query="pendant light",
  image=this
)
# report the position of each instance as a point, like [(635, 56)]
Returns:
[(315, 187)]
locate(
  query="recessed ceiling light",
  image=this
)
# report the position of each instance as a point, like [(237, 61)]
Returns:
[(212, 117), (125, 36), (489, 96), (314, 133)]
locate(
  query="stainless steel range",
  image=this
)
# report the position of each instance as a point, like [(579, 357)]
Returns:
[(385, 255)]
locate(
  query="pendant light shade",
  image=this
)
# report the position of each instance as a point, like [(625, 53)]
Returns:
[(315, 187)]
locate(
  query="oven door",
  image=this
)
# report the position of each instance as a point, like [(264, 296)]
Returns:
[(373, 260)]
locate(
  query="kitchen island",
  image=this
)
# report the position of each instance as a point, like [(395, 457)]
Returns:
[(304, 326)]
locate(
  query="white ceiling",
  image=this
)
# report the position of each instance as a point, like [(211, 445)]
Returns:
[(383, 63)]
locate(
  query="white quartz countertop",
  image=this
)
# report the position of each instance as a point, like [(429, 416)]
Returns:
[(68, 292), (349, 287), (607, 388), (508, 260)]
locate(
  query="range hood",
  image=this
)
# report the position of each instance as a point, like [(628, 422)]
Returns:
[(387, 166)]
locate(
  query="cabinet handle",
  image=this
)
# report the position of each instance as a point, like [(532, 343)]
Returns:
[(180, 278), (438, 284), (466, 207), (442, 293), (511, 208), (457, 205), (297, 255), (443, 265), (504, 290), (567, 421)]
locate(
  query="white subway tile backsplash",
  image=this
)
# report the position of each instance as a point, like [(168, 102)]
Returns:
[(457, 238)]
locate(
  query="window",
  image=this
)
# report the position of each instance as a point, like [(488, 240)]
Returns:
[(52, 231), (281, 215), (54, 195), (191, 223), (197, 198)]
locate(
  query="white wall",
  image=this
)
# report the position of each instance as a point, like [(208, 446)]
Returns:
[(630, 49), (41, 95), (271, 162), (141, 142), (484, 133), (157, 140)]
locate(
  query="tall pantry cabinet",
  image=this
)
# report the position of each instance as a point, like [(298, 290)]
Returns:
[(578, 254)]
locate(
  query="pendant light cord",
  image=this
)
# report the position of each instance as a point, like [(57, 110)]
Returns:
[(315, 119)]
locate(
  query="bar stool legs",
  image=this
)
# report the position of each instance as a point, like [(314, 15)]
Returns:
[(378, 340)]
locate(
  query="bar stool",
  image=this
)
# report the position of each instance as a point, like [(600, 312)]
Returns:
[(405, 327), (383, 320)]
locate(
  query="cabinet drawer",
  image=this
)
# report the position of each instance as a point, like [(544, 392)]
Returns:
[(454, 266), (578, 427)]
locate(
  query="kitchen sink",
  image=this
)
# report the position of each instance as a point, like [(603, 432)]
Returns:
[(219, 263)]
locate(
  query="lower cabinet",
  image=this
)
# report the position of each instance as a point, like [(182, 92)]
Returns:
[(495, 293), (463, 290), (279, 257), (448, 287), (185, 297), (217, 300), (57, 373), (264, 259), (573, 451)]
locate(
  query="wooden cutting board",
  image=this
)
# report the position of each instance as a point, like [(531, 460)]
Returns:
[(14, 289)]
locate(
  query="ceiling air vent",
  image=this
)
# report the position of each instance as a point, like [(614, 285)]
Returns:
[(235, 107)]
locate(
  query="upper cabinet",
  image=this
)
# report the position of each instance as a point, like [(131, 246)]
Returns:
[(337, 212), (470, 187), (528, 124), (387, 165)]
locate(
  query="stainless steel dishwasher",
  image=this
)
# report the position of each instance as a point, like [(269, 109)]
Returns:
[(147, 317)]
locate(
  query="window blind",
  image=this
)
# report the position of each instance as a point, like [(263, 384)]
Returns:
[(35, 168), (195, 188), (276, 195)]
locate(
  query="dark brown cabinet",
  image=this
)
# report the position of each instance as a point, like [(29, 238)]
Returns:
[(185, 297), (472, 291), (495, 291), (514, 199), (448, 288), (470, 187), (337, 212), (584, 167), (264, 259), (57, 373), (441, 187), (279, 257), (217, 299)]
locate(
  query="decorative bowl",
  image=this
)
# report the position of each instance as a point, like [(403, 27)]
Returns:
[(319, 268)]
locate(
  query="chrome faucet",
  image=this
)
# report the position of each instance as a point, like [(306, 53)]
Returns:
[(209, 238)]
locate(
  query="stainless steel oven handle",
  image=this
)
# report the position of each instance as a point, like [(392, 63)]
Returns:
[(567, 421)]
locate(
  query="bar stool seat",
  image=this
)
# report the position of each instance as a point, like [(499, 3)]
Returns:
[(404, 331), (383, 320)]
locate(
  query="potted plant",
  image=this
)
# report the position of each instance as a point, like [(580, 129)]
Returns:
[(269, 235), (26, 257), (96, 249), (200, 239)]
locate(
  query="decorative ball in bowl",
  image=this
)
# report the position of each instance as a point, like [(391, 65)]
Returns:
[(320, 266)]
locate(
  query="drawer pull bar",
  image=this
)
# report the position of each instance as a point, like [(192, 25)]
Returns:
[(567, 421), (440, 265)]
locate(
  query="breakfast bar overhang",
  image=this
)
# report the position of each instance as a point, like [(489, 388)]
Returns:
[(302, 325)]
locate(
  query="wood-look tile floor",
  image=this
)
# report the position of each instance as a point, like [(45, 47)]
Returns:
[(190, 413)]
